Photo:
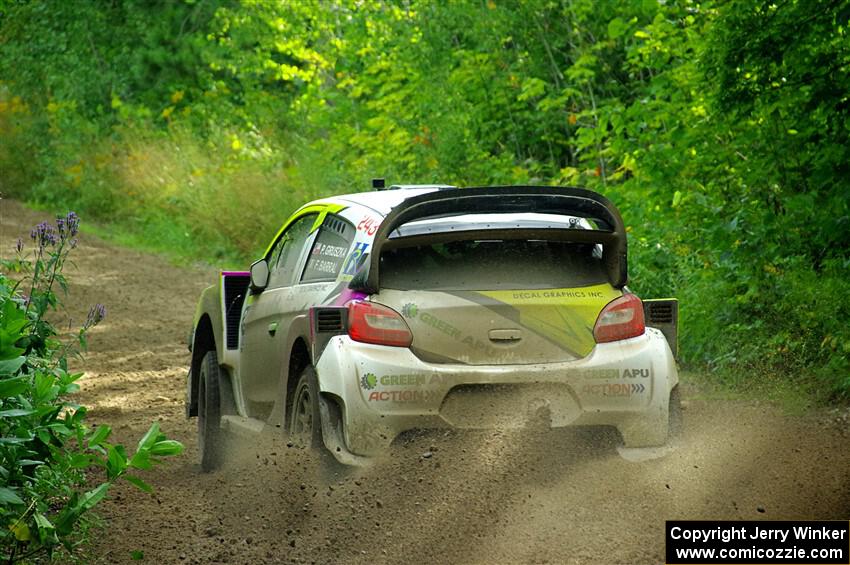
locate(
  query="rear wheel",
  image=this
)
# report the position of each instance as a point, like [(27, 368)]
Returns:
[(209, 414), (305, 426)]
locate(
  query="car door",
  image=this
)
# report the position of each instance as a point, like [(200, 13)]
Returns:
[(304, 275), (263, 321)]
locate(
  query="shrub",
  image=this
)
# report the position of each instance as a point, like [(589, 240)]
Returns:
[(45, 446)]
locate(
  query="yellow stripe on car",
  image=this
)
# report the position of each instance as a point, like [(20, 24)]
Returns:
[(563, 315), (321, 209)]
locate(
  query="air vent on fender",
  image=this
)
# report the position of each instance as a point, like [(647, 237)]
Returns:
[(329, 320), (659, 312), (664, 315), (326, 322), (235, 287)]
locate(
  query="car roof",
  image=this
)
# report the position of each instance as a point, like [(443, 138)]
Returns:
[(383, 201)]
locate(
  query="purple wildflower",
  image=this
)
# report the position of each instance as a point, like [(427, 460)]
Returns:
[(96, 315), (19, 246), (67, 225), (44, 234), (72, 222)]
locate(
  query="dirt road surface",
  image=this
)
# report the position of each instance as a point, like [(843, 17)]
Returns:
[(496, 497)]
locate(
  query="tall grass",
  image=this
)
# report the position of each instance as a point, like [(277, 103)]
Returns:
[(17, 172), (217, 198)]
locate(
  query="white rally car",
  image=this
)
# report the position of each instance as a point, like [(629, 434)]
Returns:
[(421, 307)]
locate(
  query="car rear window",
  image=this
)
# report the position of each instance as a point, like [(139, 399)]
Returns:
[(492, 265)]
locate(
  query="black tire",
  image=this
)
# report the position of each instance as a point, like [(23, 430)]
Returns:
[(675, 422), (209, 414), (305, 423), (305, 426)]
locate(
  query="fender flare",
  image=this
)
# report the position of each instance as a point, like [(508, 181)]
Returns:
[(207, 334), (296, 359)]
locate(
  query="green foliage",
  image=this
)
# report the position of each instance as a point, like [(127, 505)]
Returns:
[(45, 446), (719, 128)]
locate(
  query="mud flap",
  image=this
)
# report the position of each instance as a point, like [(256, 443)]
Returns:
[(332, 435)]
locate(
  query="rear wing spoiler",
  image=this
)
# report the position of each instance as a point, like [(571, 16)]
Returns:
[(566, 201)]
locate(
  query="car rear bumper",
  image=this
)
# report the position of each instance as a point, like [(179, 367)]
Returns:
[(383, 391)]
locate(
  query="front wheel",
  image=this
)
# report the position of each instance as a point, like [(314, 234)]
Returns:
[(209, 414)]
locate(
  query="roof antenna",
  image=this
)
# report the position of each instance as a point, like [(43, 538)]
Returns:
[(379, 184)]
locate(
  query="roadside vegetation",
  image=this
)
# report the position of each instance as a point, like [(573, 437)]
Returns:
[(53, 467), (719, 128)]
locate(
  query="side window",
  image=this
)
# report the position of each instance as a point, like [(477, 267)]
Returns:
[(329, 250), (287, 251), (275, 254)]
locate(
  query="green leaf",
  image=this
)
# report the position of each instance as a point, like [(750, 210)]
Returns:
[(46, 530), (14, 440), (116, 461), (13, 387), (532, 88), (44, 436), (21, 530), (137, 555), (616, 28), (44, 389), (166, 447), (141, 460), (139, 483), (29, 462), (649, 6), (149, 438), (8, 496), (677, 198), (81, 461), (15, 413), (42, 521), (11, 366), (90, 499), (99, 435), (68, 515)]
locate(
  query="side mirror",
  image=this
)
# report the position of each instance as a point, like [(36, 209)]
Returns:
[(259, 275)]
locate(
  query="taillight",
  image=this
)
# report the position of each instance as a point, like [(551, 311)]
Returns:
[(374, 323), (622, 318)]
